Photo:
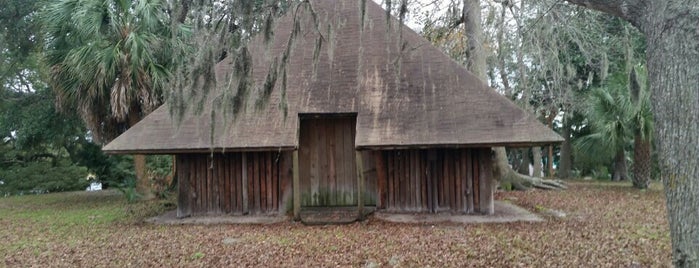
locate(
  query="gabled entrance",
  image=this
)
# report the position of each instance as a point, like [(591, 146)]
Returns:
[(327, 160)]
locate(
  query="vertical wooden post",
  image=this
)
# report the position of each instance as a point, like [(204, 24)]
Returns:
[(256, 161), (381, 177), (360, 185), (485, 184), (296, 186), (285, 177), (469, 180), (184, 207), (174, 171), (432, 178), (244, 181), (201, 183)]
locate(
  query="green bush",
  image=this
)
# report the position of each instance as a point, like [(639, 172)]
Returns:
[(111, 171), (159, 165), (42, 177), (601, 173), (128, 188), (159, 171), (117, 171)]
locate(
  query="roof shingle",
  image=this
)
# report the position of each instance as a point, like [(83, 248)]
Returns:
[(404, 91)]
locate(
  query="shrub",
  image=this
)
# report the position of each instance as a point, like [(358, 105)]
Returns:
[(42, 177)]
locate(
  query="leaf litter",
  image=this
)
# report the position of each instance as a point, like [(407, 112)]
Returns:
[(606, 225)]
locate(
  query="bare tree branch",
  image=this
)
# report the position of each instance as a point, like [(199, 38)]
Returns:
[(630, 10)]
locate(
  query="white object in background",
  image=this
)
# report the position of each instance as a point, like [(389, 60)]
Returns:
[(95, 186)]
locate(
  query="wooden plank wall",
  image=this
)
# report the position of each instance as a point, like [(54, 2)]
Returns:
[(432, 180), (371, 191), (233, 183), (327, 166)]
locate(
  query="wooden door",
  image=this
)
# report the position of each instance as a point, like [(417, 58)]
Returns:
[(327, 165)]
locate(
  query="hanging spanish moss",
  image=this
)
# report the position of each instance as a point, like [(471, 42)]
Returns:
[(362, 13), (268, 86), (219, 30), (242, 71)]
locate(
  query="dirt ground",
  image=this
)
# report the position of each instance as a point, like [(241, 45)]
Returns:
[(591, 224)]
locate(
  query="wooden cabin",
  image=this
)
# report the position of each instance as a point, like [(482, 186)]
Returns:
[(377, 117)]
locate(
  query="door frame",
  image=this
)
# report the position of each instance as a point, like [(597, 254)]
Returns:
[(327, 163)]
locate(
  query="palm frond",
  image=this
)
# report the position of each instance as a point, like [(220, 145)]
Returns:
[(108, 57)]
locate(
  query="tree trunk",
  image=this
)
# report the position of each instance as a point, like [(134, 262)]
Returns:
[(537, 162), (620, 170), (184, 10), (512, 180), (523, 167), (471, 17), (673, 67), (549, 160), (566, 161), (143, 185), (641, 162), (174, 183)]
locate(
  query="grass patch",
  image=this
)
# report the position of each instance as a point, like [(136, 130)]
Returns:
[(79, 208), (35, 222)]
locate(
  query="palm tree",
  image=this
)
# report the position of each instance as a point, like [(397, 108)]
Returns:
[(617, 112), (609, 113), (642, 121), (108, 61)]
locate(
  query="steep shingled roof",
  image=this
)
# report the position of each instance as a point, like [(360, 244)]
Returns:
[(404, 91)]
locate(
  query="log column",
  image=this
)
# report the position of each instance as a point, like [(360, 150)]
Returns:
[(360, 186), (485, 182)]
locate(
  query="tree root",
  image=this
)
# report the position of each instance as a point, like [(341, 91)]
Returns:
[(523, 182), (511, 180)]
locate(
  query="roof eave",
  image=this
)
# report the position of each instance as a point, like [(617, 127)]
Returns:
[(522, 144), (456, 145), (196, 150)]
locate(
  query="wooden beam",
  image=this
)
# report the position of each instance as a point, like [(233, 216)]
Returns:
[(360, 185), (285, 176), (256, 194), (486, 182), (381, 177), (296, 186), (469, 180), (184, 207), (244, 182), (432, 179)]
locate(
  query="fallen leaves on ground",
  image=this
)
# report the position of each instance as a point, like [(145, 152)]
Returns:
[(605, 225)]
